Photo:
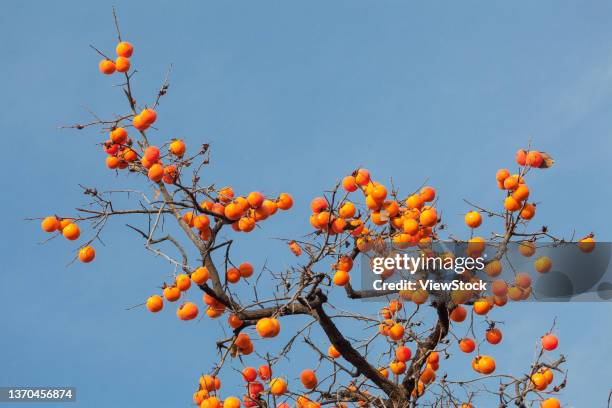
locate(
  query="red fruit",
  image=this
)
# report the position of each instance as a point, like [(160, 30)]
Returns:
[(249, 374), (550, 342), (264, 372), (403, 354), (255, 388), (467, 345)]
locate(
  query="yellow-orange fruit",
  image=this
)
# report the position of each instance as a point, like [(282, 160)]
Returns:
[(156, 173), (124, 49), (122, 64), (155, 303), (268, 327), (172, 293), (50, 224), (200, 275), (87, 254), (284, 202), (71, 231), (543, 264), (473, 219), (177, 148), (187, 311), (106, 66)]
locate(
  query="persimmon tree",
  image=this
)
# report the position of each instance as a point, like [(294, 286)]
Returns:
[(396, 361)]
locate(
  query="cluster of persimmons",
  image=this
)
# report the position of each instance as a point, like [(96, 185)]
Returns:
[(383, 219)]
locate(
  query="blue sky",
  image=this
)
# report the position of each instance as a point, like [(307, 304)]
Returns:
[(292, 96)]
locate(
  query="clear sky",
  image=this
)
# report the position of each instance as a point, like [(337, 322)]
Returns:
[(292, 96)]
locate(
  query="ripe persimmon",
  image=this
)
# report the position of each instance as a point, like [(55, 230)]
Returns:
[(550, 403), (170, 174), (112, 162), (362, 177), (155, 303), (71, 231), (231, 402), (87, 254), (278, 386), (200, 275), (139, 123), (502, 174), (543, 264), (118, 135), (521, 157), (187, 311), (521, 193), (539, 381), (403, 353), (268, 327), (485, 364), (586, 244), (534, 159), (172, 293), (64, 222), (428, 375), (156, 173), (124, 49), (349, 184), (264, 372), (493, 268), (549, 342), (473, 219), (318, 204), (183, 282), (249, 374), (177, 148), (122, 64), (255, 199), (308, 379), (410, 226), (246, 269), (527, 248), (511, 182), (499, 287), (494, 335), (396, 332), (106, 66), (332, 352), (201, 222), (458, 314), (528, 211), (414, 201), (428, 194), (429, 217), (269, 207), (397, 367), (341, 278), (149, 116), (233, 275), (50, 224), (511, 204), (481, 307), (433, 357), (467, 345), (284, 201)]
